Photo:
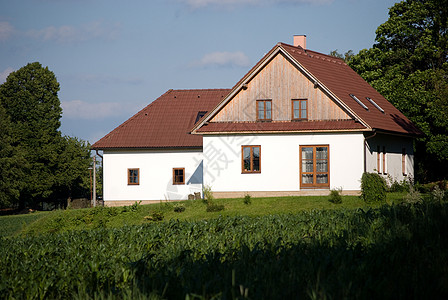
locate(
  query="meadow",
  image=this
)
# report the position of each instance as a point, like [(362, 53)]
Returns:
[(394, 250)]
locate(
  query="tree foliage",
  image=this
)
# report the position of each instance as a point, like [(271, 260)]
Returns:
[(408, 65), (46, 166)]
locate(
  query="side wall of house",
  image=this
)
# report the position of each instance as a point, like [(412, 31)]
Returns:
[(391, 156), (280, 161), (155, 174)]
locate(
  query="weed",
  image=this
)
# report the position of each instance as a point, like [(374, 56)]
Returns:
[(154, 216), (335, 196), (179, 208), (207, 194), (413, 196), (247, 199), (214, 207)]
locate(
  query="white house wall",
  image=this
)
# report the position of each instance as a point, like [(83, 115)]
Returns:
[(156, 175), (280, 161), (394, 146)]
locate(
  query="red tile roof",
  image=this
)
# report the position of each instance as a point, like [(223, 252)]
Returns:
[(165, 123), (284, 126), (342, 81)]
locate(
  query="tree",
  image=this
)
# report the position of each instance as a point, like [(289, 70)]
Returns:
[(347, 56), (408, 65), (54, 165), (11, 164)]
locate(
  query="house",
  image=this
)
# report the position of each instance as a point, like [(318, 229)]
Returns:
[(298, 123)]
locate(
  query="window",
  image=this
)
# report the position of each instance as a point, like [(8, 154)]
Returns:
[(384, 160), (250, 159), (299, 109), (179, 176), (376, 105), (133, 176), (359, 102), (264, 110), (378, 159), (314, 166), (403, 161), (199, 116)]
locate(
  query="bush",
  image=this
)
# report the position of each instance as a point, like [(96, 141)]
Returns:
[(214, 207), (413, 196), (373, 188), (208, 194), (335, 196), (437, 194), (156, 215), (247, 199), (179, 208)]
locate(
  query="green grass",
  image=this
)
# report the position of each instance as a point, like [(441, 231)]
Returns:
[(13, 225), (115, 217)]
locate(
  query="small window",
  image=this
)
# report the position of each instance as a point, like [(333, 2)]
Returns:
[(133, 176), (378, 159), (264, 110), (376, 105), (179, 176), (199, 116), (299, 109), (403, 161), (250, 159), (359, 102)]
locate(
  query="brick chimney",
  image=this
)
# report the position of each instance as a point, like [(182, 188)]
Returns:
[(300, 40)]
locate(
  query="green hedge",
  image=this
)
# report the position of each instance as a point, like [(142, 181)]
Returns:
[(373, 188)]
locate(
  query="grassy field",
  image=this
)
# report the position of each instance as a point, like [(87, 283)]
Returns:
[(114, 217)]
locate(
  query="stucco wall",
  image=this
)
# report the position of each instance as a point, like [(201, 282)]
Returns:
[(393, 146), (156, 174), (280, 161)]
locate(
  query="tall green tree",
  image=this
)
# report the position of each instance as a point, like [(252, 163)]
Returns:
[(12, 164), (54, 165), (408, 64)]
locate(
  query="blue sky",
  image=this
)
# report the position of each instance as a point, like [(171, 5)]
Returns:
[(112, 58)]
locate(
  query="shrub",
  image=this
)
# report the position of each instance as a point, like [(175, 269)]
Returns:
[(179, 208), (437, 194), (156, 215), (247, 199), (399, 186), (335, 196), (214, 207), (373, 188), (413, 196), (207, 194)]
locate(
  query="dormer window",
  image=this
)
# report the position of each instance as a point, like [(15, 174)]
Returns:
[(264, 110), (199, 116), (299, 109)]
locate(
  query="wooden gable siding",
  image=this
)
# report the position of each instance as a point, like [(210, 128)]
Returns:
[(279, 81)]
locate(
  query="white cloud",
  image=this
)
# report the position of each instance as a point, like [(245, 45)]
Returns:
[(234, 3), (78, 109), (5, 73), (223, 59), (71, 34), (6, 30)]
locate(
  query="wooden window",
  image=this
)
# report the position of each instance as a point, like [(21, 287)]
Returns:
[(133, 176), (264, 110), (178, 175), (378, 159), (314, 166), (250, 159), (384, 160), (299, 109), (403, 161)]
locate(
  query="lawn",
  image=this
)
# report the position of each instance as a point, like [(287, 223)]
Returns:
[(114, 217)]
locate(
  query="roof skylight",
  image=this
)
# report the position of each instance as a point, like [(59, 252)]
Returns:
[(359, 102), (376, 105)]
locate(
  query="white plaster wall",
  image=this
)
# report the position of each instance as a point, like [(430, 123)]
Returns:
[(280, 161), (394, 146), (156, 174)]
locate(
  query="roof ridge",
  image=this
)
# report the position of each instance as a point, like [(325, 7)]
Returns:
[(313, 54)]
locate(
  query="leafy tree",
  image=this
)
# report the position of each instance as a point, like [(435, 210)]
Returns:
[(54, 164), (11, 164), (347, 56), (408, 64)]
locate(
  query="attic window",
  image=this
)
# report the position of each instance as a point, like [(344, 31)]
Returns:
[(359, 102), (376, 105), (199, 116)]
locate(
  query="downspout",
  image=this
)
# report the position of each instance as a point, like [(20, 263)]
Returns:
[(365, 146)]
